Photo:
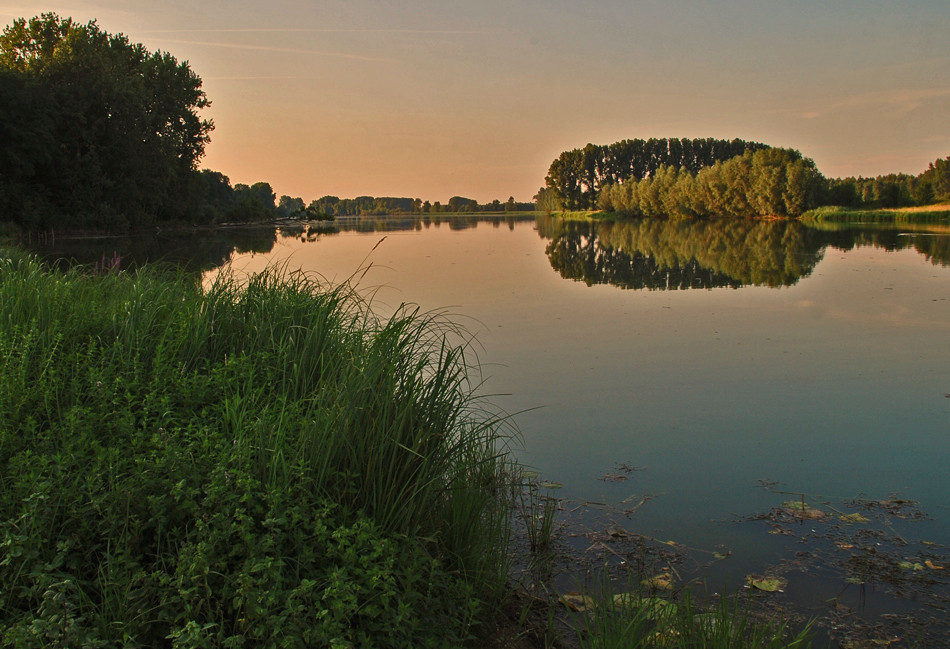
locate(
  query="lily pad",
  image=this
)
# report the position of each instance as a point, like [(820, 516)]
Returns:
[(856, 517), (577, 602), (767, 583), (910, 565), (550, 485), (795, 504), (653, 608), (803, 510), (662, 581)]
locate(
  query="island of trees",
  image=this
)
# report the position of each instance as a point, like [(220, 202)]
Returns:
[(730, 178)]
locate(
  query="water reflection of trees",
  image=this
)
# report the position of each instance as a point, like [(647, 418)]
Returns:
[(930, 240), (309, 232), (204, 249), (678, 254), (192, 251), (665, 254), (453, 222)]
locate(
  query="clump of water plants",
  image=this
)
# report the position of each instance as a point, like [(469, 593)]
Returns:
[(645, 618), (254, 463)]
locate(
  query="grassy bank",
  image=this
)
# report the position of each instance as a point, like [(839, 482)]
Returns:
[(929, 214), (252, 465), (585, 215)]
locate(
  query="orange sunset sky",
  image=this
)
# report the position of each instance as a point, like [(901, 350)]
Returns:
[(433, 99)]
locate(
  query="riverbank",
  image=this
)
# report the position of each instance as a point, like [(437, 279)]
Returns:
[(937, 213), (924, 214), (260, 462), (257, 464)]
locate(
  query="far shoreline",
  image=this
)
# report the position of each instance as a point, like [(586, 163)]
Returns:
[(936, 213)]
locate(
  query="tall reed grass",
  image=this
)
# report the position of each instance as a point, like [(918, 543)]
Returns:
[(261, 462)]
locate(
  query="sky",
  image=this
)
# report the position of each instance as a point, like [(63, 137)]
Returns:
[(432, 99)]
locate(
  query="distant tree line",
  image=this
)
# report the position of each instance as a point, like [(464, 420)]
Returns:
[(374, 206), (893, 190), (218, 202), (707, 177)]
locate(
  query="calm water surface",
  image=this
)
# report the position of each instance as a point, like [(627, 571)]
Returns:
[(713, 358)]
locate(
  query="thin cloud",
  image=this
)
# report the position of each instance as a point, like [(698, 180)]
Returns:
[(286, 50), (261, 78), (902, 101), (312, 30), (933, 63)]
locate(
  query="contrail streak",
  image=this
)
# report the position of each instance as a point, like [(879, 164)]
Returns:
[(289, 50)]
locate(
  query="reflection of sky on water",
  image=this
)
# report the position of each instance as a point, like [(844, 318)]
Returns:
[(834, 385)]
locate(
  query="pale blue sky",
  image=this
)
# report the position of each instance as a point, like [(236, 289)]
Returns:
[(434, 99)]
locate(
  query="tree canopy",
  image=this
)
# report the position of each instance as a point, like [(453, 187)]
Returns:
[(768, 182), (577, 176), (96, 129), (707, 177)]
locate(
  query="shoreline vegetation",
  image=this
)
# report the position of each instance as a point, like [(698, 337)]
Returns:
[(938, 213), (261, 463), (265, 463)]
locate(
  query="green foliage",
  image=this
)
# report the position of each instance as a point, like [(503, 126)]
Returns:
[(768, 182), (580, 177), (289, 207), (838, 214), (892, 190), (664, 254), (103, 133), (937, 176), (252, 464), (712, 178)]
